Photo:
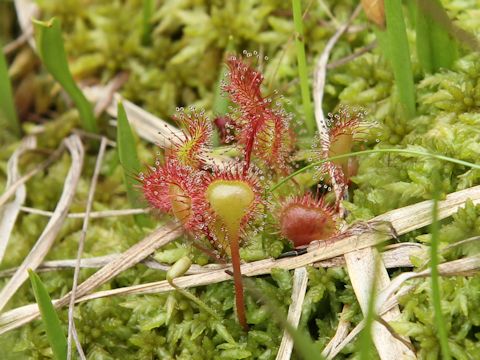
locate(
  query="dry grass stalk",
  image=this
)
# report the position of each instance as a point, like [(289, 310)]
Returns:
[(129, 258), (18, 42), (403, 220), (363, 262), (81, 244), (364, 267), (147, 125), (340, 334), (26, 11), (93, 214), (300, 280), (345, 60), (46, 239), (101, 261), (10, 211), (320, 73), (395, 256), (385, 301), (9, 191), (110, 89)]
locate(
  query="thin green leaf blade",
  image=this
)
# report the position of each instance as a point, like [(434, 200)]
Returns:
[(52, 52), (436, 34), (7, 104), (424, 52), (399, 55), (127, 153), (148, 9), (55, 334), (432, 40), (302, 66)]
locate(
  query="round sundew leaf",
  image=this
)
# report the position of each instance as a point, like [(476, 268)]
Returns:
[(230, 200), (181, 203), (342, 144)]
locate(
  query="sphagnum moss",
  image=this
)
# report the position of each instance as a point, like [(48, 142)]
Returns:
[(134, 327)]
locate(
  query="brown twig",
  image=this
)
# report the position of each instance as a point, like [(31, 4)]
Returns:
[(18, 42), (347, 59)]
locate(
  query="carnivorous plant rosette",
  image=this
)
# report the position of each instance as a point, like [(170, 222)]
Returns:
[(219, 203)]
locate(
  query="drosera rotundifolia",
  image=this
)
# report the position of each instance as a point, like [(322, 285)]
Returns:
[(223, 204)]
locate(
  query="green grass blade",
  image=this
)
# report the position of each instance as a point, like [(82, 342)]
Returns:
[(52, 52), (302, 66), (399, 55), (432, 40), (444, 48), (127, 153), (424, 51), (55, 334), (436, 296), (148, 9), (7, 104), (375, 151)]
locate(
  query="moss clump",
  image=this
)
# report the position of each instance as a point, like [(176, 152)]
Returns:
[(181, 68)]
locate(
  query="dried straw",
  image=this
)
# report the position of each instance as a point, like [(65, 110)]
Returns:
[(10, 211), (300, 279), (46, 239), (361, 236)]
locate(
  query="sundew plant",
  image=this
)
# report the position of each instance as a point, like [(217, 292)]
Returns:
[(239, 180)]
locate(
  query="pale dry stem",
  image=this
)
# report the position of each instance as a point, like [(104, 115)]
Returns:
[(81, 244), (10, 211), (299, 288), (46, 239)]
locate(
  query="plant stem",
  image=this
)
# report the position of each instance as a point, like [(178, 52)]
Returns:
[(436, 296), (399, 55), (237, 279), (196, 300), (7, 103), (302, 66), (148, 9), (432, 41), (375, 151)]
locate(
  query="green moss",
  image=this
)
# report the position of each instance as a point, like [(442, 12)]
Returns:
[(181, 68)]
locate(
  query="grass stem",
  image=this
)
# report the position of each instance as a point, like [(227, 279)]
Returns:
[(398, 53), (127, 153), (148, 9), (302, 66), (7, 104), (375, 151)]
